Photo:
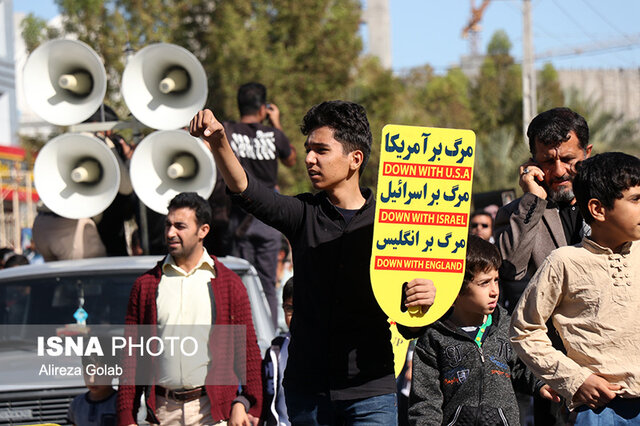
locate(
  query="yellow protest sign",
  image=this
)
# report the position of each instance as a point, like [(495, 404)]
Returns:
[(422, 211)]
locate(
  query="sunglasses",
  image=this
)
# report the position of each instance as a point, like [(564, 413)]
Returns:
[(483, 225)]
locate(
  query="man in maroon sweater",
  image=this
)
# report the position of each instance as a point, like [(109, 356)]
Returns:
[(189, 287)]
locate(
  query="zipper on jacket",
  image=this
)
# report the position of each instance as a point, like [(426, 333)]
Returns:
[(481, 378), (504, 419), (455, 416), (481, 353)]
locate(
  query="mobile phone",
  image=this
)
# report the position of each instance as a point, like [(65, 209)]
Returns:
[(540, 182)]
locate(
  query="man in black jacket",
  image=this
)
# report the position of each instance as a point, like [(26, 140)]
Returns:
[(340, 359)]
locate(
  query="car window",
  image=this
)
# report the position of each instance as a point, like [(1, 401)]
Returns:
[(54, 300)]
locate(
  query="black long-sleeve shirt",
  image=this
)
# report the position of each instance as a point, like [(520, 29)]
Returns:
[(340, 344)]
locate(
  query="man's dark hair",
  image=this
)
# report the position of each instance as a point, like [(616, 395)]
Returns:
[(193, 201), (552, 127), (5, 254), (482, 256), (284, 246), (349, 123), (16, 260), (604, 177), (251, 96), (287, 290)]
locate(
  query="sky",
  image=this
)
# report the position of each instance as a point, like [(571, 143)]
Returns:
[(429, 31)]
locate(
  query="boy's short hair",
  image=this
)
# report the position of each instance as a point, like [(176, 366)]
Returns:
[(16, 260), (287, 290), (349, 123), (195, 202), (604, 177), (482, 256)]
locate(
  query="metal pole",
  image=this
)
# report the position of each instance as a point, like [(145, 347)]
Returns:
[(144, 228), (29, 183), (3, 230), (17, 247), (529, 96)]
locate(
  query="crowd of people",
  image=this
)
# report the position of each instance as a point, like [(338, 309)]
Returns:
[(546, 309)]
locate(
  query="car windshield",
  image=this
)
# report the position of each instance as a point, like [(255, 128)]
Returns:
[(55, 299), (54, 294)]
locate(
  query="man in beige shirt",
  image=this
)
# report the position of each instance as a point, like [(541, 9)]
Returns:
[(184, 295), (591, 291)]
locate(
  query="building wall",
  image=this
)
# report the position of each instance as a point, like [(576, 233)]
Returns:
[(30, 123), (8, 108), (376, 16), (618, 90)]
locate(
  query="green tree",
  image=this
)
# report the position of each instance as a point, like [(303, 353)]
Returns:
[(446, 100), (497, 93), (304, 51), (608, 131), (413, 108), (36, 31), (549, 91), (498, 155), (381, 93), (100, 24)]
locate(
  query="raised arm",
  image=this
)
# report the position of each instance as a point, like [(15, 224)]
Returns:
[(515, 225), (205, 126), (273, 114)]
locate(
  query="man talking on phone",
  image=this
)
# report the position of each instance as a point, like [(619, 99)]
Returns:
[(546, 216)]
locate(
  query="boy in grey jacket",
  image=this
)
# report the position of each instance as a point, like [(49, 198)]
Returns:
[(464, 370)]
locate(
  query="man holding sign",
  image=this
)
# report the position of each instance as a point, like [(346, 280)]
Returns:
[(340, 365)]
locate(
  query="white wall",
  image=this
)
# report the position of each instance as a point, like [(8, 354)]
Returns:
[(30, 124), (8, 107)]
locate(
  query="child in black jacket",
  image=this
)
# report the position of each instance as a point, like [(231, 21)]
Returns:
[(464, 370), (274, 409)]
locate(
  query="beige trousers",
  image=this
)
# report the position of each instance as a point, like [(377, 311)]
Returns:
[(193, 413)]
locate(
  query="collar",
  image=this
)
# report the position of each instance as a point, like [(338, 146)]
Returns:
[(329, 207), (559, 206), (596, 248), (566, 206), (205, 262), (446, 322)]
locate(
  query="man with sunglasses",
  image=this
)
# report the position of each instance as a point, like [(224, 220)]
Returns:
[(481, 225)]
